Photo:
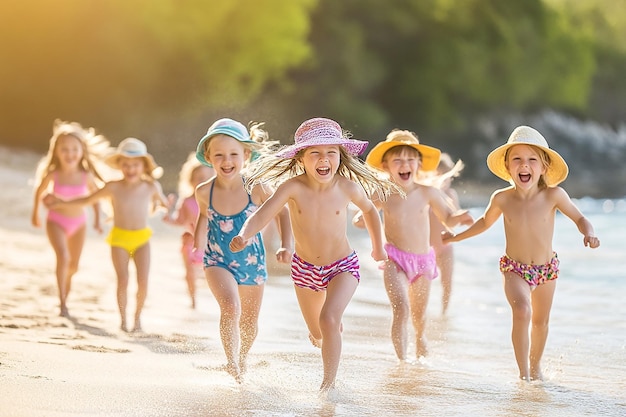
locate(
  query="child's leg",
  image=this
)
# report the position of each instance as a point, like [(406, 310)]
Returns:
[(251, 297), (191, 268), (120, 258), (419, 291), (59, 243), (517, 293), (338, 294), (311, 303), (541, 300), (226, 292), (142, 265), (75, 246), (396, 285), (445, 262)]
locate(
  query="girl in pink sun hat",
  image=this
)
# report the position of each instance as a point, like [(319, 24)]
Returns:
[(529, 266), (322, 176)]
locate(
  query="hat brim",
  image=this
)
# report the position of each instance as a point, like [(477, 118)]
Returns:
[(352, 146), (222, 131), (555, 174), (430, 155), (151, 166)]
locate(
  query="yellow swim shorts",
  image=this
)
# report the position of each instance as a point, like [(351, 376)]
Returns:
[(131, 240)]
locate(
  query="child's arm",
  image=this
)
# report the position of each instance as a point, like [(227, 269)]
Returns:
[(200, 232), (492, 213), (262, 193), (284, 253), (569, 209), (158, 198), (369, 214), (444, 209), (53, 201), (257, 221), (96, 206), (45, 181)]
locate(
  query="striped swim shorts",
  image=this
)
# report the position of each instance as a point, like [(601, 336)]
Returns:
[(307, 275)]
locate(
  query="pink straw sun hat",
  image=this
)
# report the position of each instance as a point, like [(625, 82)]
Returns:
[(321, 132), (525, 135)]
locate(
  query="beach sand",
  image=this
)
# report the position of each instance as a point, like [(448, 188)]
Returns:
[(84, 365)]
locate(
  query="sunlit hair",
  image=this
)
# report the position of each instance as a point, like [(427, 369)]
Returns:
[(446, 170), (185, 187), (543, 157), (273, 171), (94, 147), (399, 150), (262, 143)]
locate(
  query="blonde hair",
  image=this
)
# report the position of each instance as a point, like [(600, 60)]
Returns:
[(273, 171), (543, 157), (94, 147)]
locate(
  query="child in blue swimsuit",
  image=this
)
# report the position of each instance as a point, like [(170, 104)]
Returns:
[(235, 279)]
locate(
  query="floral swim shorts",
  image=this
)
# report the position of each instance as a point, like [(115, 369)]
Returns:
[(534, 275)]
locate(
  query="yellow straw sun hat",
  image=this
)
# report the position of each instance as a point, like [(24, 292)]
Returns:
[(525, 135), (430, 155)]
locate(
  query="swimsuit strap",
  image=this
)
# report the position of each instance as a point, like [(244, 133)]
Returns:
[(211, 196)]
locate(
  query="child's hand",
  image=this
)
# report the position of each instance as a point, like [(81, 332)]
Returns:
[(283, 255), (591, 241), (97, 227), (187, 238), (237, 244), (358, 221), (446, 237), (35, 221), (50, 200), (379, 254), (465, 217)]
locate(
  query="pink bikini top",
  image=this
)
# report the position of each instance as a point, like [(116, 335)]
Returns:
[(69, 191)]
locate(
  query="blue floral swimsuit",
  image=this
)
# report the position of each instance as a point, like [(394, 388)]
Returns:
[(248, 266)]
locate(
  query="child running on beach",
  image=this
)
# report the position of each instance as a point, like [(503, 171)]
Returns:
[(68, 170), (237, 280), (323, 175), (530, 265), (444, 253), (133, 198), (411, 265), (191, 175)]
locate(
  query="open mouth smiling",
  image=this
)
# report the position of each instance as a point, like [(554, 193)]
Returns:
[(405, 175), (524, 177), (323, 170)]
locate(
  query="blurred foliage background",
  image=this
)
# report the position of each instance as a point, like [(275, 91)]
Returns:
[(461, 75)]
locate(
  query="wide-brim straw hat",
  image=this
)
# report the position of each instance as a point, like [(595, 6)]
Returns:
[(430, 155), (134, 148), (320, 131), (228, 127), (524, 135)]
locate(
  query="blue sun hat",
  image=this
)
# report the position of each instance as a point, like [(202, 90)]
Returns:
[(228, 127)]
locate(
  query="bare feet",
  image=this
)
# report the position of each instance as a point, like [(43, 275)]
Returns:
[(421, 348), (536, 375), (316, 342), (64, 312), (137, 327), (233, 369)]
